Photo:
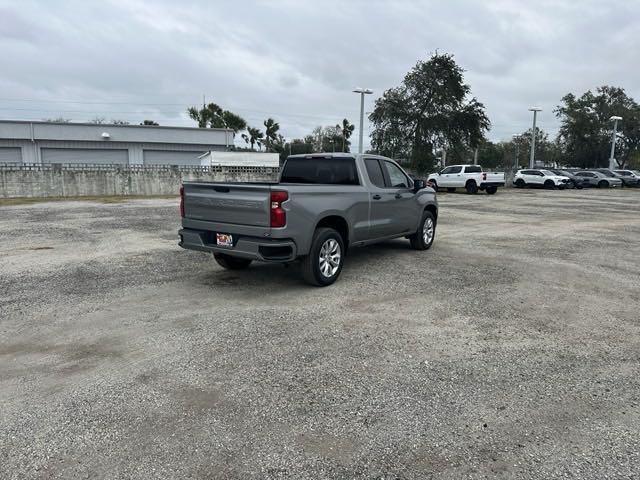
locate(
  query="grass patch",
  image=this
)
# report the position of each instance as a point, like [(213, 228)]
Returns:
[(4, 202)]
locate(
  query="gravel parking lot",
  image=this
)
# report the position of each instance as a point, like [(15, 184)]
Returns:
[(510, 349)]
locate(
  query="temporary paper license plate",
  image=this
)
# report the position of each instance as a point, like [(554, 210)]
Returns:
[(224, 240)]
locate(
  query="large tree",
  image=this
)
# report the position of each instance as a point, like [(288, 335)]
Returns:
[(431, 110), (214, 116), (586, 129)]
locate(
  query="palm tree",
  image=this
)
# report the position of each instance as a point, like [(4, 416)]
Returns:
[(271, 132), (213, 116), (346, 129), (255, 136)]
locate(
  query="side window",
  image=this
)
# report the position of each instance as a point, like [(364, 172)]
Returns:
[(455, 169), (525, 172), (446, 170), (375, 172), (473, 169), (397, 178)]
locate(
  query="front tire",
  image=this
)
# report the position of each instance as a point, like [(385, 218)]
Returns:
[(603, 184), (231, 263), (549, 185), (426, 233), (324, 263)]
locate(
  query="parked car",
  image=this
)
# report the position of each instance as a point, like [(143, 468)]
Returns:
[(575, 182), (322, 205), (540, 178), (598, 179), (628, 177), (630, 182), (470, 177)]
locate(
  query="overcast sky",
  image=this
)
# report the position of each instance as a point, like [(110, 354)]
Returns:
[(299, 60)]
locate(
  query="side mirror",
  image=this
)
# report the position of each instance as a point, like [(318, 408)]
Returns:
[(418, 185)]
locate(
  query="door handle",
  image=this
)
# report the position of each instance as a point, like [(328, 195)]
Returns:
[(398, 195), (377, 197)]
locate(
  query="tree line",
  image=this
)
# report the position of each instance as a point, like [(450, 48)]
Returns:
[(432, 115), (321, 139)]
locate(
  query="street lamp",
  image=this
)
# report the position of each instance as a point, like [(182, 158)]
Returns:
[(535, 111), (362, 92), (516, 139), (612, 157)]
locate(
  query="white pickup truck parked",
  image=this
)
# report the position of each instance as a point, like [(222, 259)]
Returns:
[(469, 177)]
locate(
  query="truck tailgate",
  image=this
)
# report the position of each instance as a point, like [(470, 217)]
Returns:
[(237, 203), (495, 177)]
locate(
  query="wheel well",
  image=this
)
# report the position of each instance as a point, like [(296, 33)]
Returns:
[(470, 181), (339, 224), (433, 210)]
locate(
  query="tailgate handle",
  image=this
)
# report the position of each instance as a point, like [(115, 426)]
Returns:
[(221, 189)]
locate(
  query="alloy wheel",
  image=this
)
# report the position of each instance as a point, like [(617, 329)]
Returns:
[(329, 258)]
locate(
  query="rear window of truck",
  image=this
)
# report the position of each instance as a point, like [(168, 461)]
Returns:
[(324, 171), (473, 169)]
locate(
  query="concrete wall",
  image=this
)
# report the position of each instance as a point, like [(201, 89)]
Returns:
[(71, 181)]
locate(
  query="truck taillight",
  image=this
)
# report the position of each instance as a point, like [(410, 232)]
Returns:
[(484, 176), (182, 201), (278, 214)]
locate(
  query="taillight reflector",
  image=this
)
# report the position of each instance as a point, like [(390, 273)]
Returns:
[(278, 214)]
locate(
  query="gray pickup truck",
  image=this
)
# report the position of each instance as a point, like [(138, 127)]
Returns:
[(322, 205)]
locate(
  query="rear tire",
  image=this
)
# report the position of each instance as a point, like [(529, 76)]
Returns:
[(324, 263), (603, 184), (491, 190), (520, 183), (426, 233), (231, 263), (471, 187)]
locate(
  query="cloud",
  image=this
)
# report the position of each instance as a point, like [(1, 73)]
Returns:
[(299, 60)]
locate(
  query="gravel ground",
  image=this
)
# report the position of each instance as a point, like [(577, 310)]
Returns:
[(509, 350)]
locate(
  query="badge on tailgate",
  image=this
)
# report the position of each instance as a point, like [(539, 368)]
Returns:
[(224, 240)]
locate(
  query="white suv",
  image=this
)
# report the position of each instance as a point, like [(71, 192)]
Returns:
[(540, 178)]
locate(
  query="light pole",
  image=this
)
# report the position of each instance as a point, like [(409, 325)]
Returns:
[(612, 157), (516, 141), (532, 158), (362, 92)]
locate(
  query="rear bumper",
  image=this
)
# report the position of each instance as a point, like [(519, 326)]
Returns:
[(254, 248), (484, 185)]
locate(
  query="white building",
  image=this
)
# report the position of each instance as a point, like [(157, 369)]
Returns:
[(241, 159)]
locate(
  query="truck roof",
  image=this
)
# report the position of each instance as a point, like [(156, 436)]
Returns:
[(324, 155)]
